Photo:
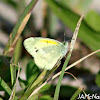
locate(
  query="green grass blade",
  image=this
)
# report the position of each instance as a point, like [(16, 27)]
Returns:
[(39, 79), (5, 86), (17, 51), (97, 80), (75, 95), (13, 73), (56, 95), (33, 86), (19, 28), (1, 98), (15, 59), (12, 96)]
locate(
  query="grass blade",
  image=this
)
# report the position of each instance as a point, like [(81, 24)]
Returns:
[(14, 88), (19, 28), (76, 94), (5, 86), (56, 95)]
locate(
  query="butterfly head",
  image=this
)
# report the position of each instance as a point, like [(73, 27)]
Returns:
[(66, 44)]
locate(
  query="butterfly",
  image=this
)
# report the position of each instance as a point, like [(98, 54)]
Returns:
[(45, 51)]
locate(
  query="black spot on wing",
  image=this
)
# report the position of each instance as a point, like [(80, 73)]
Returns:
[(36, 50)]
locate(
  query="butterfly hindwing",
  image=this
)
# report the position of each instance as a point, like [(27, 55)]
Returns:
[(46, 52), (48, 57)]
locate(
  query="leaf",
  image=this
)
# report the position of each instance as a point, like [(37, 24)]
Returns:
[(90, 37), (11, 2), (46, 97), (5, 68), (98, 79), (32, 71), (5, 60), (93, 20), (22, 83)]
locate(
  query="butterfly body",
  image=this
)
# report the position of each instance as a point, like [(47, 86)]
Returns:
[(46, 52)]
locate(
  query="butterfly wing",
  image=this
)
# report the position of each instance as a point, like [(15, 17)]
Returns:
[(47, 57), (46, 52)]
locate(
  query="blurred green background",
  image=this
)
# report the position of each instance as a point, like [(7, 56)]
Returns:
[(51, 19)]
